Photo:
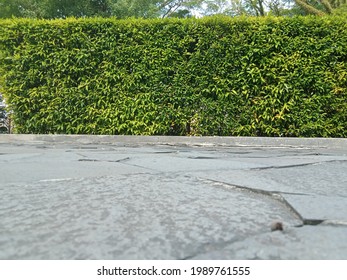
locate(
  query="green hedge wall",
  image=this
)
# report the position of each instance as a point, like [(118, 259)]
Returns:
[(210, 76)]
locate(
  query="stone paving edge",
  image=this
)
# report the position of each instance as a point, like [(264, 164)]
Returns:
[(331, 143)]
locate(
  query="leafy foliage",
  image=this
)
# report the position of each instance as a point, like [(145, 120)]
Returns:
[(50, 9), (210, 76)]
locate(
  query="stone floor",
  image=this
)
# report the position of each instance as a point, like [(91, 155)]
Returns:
[(172, 198)]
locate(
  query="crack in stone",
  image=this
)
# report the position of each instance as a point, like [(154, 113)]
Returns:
[(277, 196), (311, 222), (284, 166), (100, 160), (203, 157), (274, 195), (88, 159), (85, 148), (296, 165), (166, 152)]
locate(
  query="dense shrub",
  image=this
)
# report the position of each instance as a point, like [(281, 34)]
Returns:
[(210, 76)]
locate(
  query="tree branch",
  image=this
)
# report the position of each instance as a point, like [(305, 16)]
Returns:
[(309, 8), (327, 6), (172, 8)]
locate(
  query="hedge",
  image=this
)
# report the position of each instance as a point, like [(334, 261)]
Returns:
[(211, 76)]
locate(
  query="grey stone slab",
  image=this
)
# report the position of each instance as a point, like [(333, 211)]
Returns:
[(280, 162), (184, 164), (319, 207), (315, 191), (128, 217), (48, 170), (59, 164), (305, 243), (325, 178)]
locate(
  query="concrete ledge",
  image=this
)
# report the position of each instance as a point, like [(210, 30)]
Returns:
[(126, 140)]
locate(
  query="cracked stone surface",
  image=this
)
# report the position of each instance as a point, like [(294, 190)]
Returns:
[(80, 201)]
